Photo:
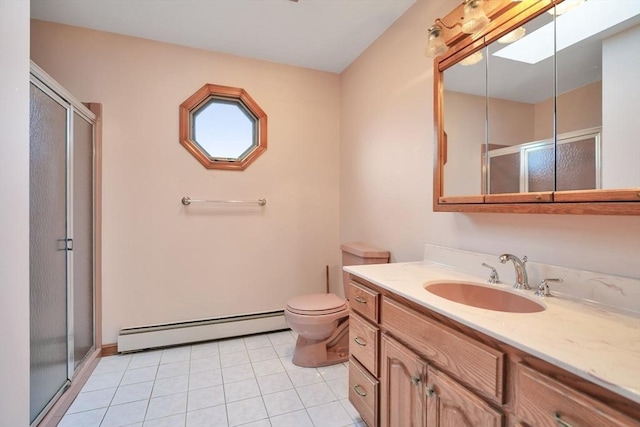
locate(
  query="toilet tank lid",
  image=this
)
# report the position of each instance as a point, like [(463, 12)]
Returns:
[(364, 250), (316, 302)]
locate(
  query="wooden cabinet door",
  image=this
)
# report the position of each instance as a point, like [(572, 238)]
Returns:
[(402, 386), (451, 405)]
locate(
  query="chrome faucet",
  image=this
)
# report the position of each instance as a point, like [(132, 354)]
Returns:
[(522, 281)]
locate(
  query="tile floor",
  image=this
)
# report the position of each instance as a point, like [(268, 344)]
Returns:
[(247, 381)]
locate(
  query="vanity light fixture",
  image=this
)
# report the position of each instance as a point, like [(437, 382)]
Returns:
[(435, 44), (474, 20)]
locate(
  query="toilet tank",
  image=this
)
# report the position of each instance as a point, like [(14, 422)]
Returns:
[(357, 253)]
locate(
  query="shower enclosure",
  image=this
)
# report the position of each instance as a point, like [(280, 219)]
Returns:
[(62, 249)]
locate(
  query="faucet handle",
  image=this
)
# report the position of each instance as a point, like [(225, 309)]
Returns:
[(525, 259), (543, 288), (493, 276)]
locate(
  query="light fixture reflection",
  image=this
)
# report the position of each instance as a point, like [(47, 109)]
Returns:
[(513, 36), (565, 7), (474, 17), (474, 58), (435, 43)]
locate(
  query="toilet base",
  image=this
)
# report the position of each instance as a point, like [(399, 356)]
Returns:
[(333, 350)]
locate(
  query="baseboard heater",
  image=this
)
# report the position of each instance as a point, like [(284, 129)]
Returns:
[(169, 334)]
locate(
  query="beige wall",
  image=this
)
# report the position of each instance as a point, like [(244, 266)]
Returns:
[(465, 125), (510, 123), (163, 262), (579, 109), (14, 214), (386, 155)]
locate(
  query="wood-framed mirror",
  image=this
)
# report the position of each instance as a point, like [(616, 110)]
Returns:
[(536, 115)]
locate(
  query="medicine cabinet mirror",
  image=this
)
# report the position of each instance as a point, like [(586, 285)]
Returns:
[(536, 114), (223, 127)]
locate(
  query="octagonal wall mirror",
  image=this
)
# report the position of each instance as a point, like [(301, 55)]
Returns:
[(223, 127)]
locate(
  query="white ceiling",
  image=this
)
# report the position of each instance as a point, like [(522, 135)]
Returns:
[(320, 34)]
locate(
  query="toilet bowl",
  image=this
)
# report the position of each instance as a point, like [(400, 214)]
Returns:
[(322, 320)]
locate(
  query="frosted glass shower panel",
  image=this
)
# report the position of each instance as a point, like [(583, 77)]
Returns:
[(83, 336), (47, 248)]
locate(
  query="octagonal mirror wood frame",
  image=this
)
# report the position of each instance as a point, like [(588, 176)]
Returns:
[(226, 94)]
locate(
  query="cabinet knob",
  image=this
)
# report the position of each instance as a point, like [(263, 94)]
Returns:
[(359, 341), (356, 388), (360, 300), (415, 380), (559, 421), (430, 392)]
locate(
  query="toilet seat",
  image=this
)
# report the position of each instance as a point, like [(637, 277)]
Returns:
[(317, 304)]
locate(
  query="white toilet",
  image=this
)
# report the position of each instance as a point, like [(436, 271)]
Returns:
[(322, 320)]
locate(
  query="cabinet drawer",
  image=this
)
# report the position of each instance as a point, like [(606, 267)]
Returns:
[(363, 300), (363, 393), (363, 342), (543, 401), (472, 363)]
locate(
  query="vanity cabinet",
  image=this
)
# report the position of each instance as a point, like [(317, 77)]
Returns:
[(402, 397), (419, 368)]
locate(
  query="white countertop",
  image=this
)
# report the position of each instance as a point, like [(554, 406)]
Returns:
[(598, 345)]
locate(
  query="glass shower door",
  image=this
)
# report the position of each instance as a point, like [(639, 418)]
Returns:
[(83, 334), (47, 248)]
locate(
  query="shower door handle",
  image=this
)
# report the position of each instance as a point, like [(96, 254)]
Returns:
[(69, 245)]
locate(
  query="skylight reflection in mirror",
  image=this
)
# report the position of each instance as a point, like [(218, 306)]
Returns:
[(589, 19)]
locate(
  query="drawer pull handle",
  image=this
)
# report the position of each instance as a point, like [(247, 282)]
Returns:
[(359, 341), (415, 380), (430, 392), (559, 421), (356, 388), (360, 300)]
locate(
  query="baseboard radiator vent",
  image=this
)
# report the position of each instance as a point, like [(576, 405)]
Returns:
[(170, 334)]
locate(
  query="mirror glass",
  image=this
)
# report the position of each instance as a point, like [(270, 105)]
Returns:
[(224, 129), (464, 107), (598, 64), (515, 122), (520, 140)]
